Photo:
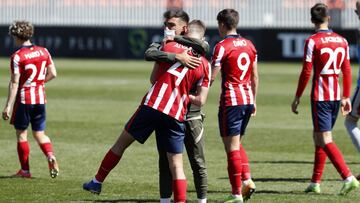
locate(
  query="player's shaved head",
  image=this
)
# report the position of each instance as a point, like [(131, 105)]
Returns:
[(23, 30), (319, 13), (196, 29), (228, 17)]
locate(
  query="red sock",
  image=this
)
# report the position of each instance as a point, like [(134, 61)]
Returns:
[(337, 159), (23, 150), (179, 187), (234, 170), (47, 149), (108, 163), (319, 164), (245, 167)]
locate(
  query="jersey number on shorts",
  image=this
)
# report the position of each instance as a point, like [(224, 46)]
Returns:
[(244, 67), (333, 60), (34, 72)]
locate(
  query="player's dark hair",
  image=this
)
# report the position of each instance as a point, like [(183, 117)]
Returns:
[(318, 13), (197, 26), (23, 30), (177, 13), (229, 17)]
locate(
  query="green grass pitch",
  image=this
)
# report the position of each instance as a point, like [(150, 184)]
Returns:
[(91, 100)]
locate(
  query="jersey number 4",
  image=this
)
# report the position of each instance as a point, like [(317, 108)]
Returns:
[(34, 69), (333, 60)]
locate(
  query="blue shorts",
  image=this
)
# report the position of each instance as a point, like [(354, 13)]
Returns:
[(234, 119), (23, 114), (170, 132), (324, 114)]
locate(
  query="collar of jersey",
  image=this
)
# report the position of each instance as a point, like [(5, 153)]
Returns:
[(28, 46), (232, 36), (327, 30)]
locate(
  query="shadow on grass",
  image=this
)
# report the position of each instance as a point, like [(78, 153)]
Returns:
[(304, 180), (294, 162), (11, 177), (123, 200)]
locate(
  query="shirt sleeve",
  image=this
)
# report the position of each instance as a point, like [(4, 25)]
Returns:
[(307, 67), (49, 60), (205, 79), (346, 71), (154, 53), (199, 46), (14, 64), (218, 54)]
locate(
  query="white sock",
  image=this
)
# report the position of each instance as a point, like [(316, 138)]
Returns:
[(96, 181), (237, 195), (202, 200), (314, 184), (165, 200), (349, 179), (246, 182)]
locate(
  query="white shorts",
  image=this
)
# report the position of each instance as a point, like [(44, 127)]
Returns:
[(355, 103)]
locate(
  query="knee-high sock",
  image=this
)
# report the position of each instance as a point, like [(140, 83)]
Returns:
[(245, 167), (179, 187), (108, 163), (337, 159), (234, 171), (319, 164), (47, 149), (23, 150)]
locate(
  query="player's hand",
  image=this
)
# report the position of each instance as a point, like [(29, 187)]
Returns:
[(187, 60), (295, 104), (345, 106), (6, 113), (254, 110)]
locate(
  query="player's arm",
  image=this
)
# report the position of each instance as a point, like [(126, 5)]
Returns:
[(218, 54), (304, 75), (12, 92), (199, 98), (346, 71), (51, 73), (153, 53), (254, 84), (200, 46)]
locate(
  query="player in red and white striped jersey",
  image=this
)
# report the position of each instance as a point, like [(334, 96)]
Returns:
[(328, 54), (236, 58), (162, 110), (169, 93), (31, 67)]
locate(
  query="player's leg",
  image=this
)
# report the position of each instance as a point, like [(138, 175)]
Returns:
[(38, 124), (353, 130), (248, 185), (170, 137), (352, 119), (21, 119), (23, 150), (229, 126), (165, 177), (139, 127), (111, 159), (179, 180), (326, 113), (195, 147)]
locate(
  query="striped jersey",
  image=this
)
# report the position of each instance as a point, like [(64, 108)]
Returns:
[(235, 56), (328, 53), (170, 93), (31, 63)]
